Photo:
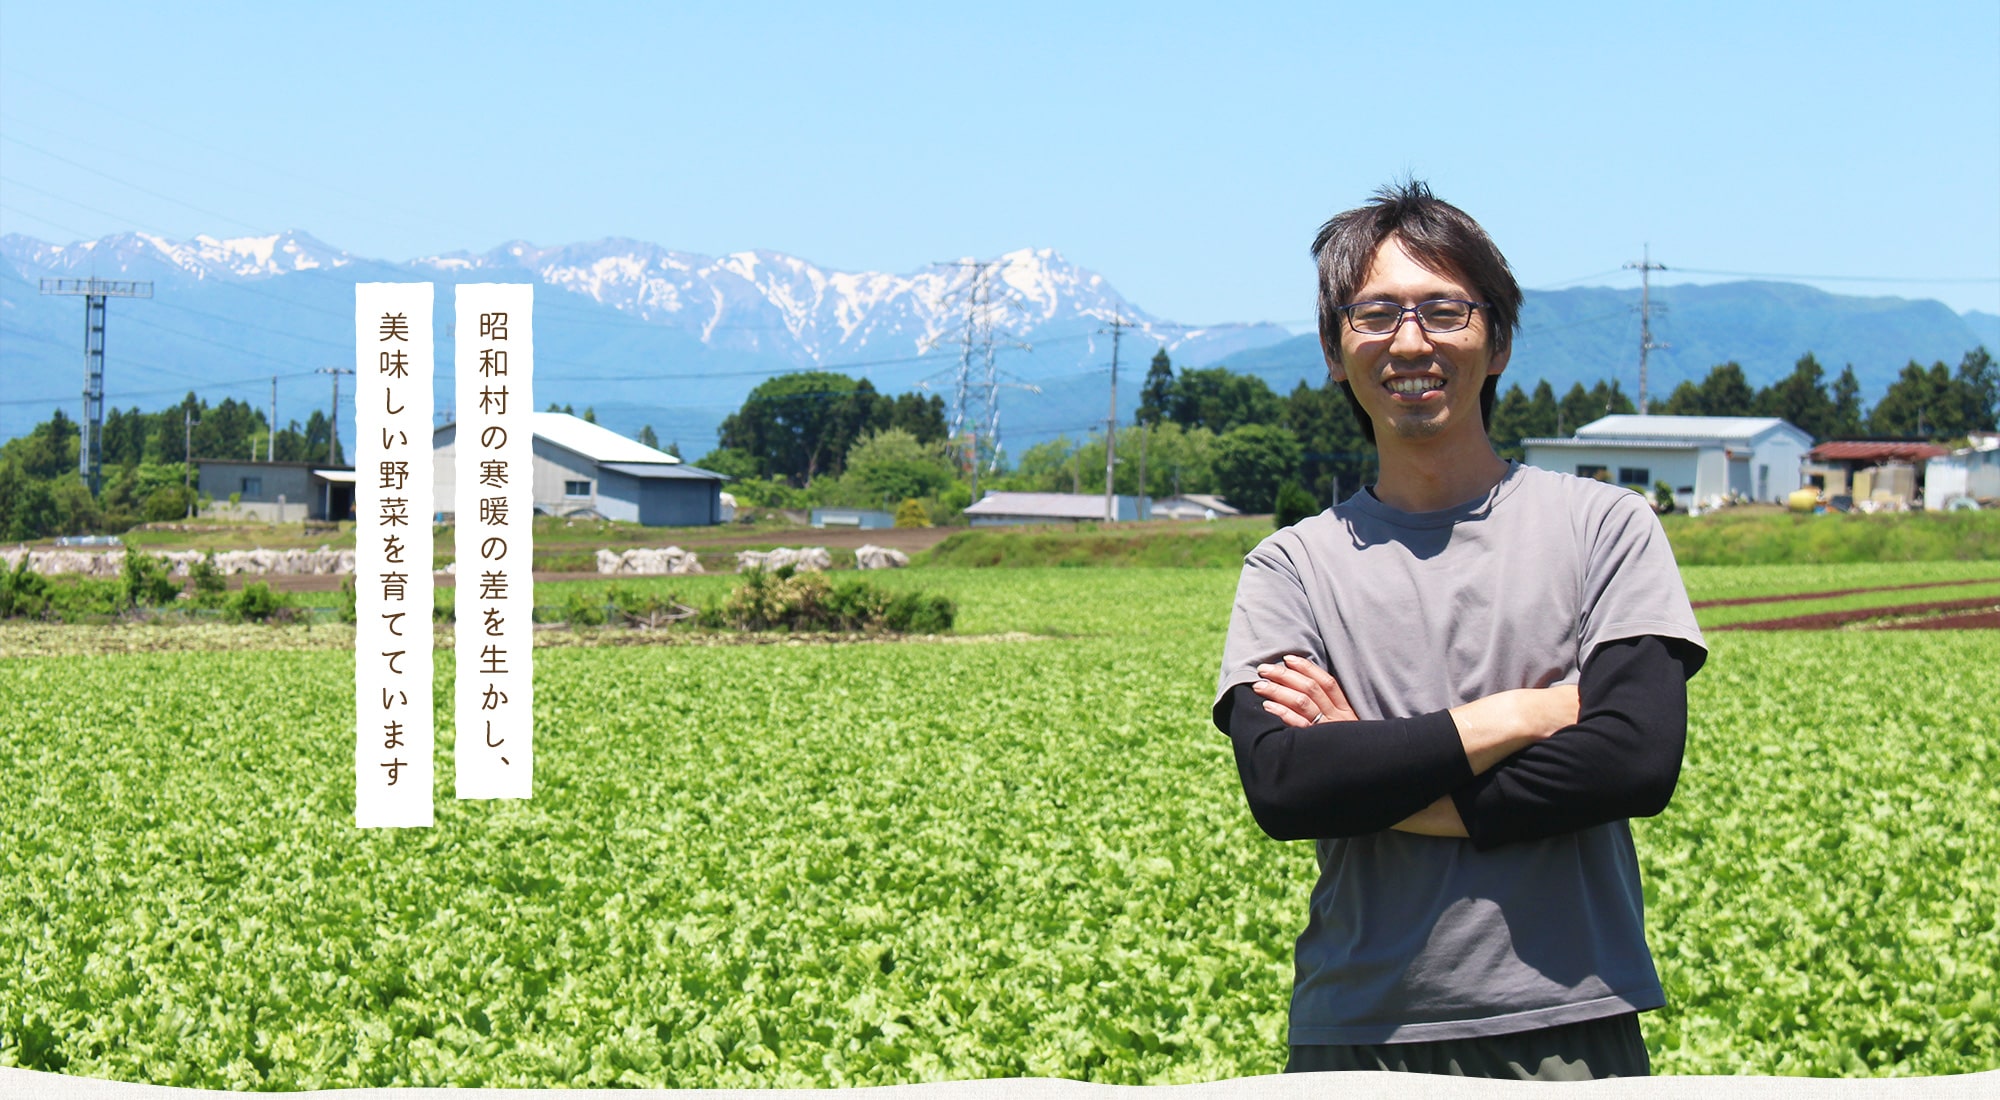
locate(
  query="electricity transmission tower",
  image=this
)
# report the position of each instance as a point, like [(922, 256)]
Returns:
[(94, 291), (975, 409), (1646, 268)]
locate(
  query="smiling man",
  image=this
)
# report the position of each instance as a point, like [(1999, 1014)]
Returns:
[(1460, 683)]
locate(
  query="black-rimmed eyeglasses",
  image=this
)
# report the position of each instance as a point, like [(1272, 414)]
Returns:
[(1439, 315)]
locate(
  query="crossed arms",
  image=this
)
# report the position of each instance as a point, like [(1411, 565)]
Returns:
[(1517, 765)]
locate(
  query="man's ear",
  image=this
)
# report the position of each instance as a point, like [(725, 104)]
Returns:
[(1499, 362), (1333, 368)]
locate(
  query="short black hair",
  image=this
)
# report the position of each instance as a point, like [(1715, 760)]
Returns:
[(1437, 235)]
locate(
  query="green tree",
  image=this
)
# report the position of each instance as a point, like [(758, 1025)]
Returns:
[(589, 414), (1509, 427), (1251, 461), (1293, 504), (48, 450), (1544, 419), (1925, 404), (1219, 399), (920, 415), (1157, 391), (1336, 455), (1978, 381), (891, 464), (1847, 418), (1048, 467), (674, 448), (911, 513), (1800, 399), (647, 437), (798, 426), (1725, 392), (730, 462)]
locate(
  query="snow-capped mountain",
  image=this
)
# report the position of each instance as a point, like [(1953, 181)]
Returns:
[(646, 334), (747, 299), (204, 257)]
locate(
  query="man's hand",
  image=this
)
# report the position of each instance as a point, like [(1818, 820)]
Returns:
[(1301, 693)]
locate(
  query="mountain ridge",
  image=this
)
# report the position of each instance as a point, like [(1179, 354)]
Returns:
[(654, 335)]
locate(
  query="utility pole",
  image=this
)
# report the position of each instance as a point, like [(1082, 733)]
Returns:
[(1118, 326), (90, 456), (271, 441), (187, 456), (1646, 268), (333, 429), (1145, 437)]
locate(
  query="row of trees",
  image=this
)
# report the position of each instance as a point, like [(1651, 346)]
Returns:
[(823, 438), (798, 427), (1934, 402), (143, 458), (191, 428)]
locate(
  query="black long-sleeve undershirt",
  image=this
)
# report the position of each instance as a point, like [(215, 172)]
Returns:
[(1621, 759)]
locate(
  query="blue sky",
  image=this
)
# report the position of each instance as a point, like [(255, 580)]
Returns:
[(1186, 153)]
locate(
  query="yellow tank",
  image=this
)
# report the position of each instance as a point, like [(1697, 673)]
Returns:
[(1804, 500)]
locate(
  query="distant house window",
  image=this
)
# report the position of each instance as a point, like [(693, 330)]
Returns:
[(576, 488), (1634, 475), (253, 486), (1591, 471)]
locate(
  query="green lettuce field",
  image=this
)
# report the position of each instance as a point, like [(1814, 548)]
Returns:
[(1016, 851)]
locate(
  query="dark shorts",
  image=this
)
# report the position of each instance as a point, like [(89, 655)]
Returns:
[(1610, 1047)]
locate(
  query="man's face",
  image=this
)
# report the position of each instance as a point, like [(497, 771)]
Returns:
[(1417, 385)]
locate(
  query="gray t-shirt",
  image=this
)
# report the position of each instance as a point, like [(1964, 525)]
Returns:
[(1415, 938)]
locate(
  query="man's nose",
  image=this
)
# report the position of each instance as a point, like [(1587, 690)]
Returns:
[(1410, 340)]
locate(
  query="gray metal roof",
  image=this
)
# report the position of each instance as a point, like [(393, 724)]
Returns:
[(1627, 444), (1040, 505), (1717, 429), (660, 471)]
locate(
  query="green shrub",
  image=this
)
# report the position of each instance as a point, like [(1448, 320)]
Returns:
[(208, 583), (582, 610), (146, 583), (256, 603), (648, 609), (919, 613), (347, 607), (1294, 504), (912, 513), (811, 602), (23, 595)]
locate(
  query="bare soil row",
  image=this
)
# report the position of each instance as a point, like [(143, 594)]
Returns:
[(1982, 613), (1742, 601)]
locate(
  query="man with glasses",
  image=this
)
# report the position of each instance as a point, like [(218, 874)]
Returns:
[(1461, 682)]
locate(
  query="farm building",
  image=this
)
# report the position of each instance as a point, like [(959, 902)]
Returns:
[(282, 492), (1192, 506), (1700, 458), (1888, 473), (868, 519), (1970, 473), (1010, 509), (585, 469)]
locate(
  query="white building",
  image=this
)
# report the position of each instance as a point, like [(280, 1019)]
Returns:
[(582, 468), (1972, 473), (1700, 458), (1193, 506), (1008, 509)]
